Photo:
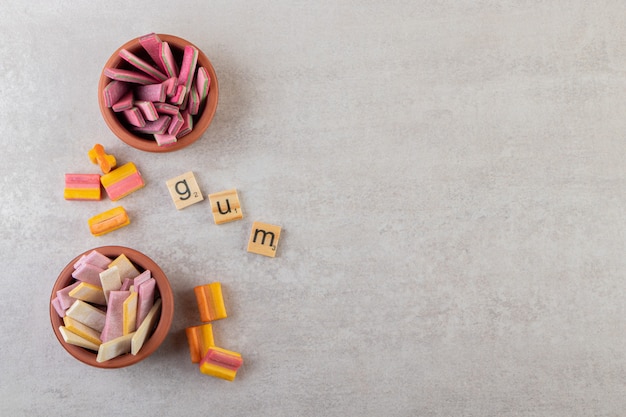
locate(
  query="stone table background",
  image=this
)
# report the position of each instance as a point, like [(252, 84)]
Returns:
[(449, 177)]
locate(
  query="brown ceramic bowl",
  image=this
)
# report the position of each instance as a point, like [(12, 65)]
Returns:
[(120, 127), (162, 327)]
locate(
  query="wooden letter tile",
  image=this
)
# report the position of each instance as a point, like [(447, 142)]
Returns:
[(225, 206), (264, 239), (184, 190)]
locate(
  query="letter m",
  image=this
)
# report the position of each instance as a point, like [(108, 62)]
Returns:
[(265, 234)]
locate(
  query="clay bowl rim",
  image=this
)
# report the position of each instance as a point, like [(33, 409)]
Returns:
[(160, 332), (201, 123)]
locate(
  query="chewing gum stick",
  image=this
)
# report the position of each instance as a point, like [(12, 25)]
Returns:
[(125, 267), (114, 348), (203, 82), (128, 76), (89, 293), (114, 91), (167, 60), (144, 328), (87, 315), (152, 44), (188, 66), (74, 339), (124, 103), (106, 222), (142, 65)]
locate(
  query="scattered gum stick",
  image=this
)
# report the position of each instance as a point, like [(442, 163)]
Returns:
[(194, 101), (108, 221), (65, 301), (98, 156), (145, 300), (158, 126), (166, 108), (187, 126), (166, 60), (143, 331), (188, 66), (110, 280), (89, 293), (200, 339), (129, 314), (82, 187), (142, 65), (203, 83), (164, 139), (210, 301), (125, 186), (152, 45), (148, 110), (134, 117), (175, 125), (87, 314), (114, 316), (221, 363), (114, 91), (226, 358), (74, 339), (152, 92), (128, 76), (122, 181), (114, 348), (87, 273), (82, 330), (124, 103), (179, 96), (125, 267)]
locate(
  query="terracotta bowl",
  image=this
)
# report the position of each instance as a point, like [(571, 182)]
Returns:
[(122, 129), (161, 329)]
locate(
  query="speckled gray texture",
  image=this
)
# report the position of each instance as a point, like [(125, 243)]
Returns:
[(450, 181)]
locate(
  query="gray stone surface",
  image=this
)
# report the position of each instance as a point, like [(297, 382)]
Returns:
[(449, 177)]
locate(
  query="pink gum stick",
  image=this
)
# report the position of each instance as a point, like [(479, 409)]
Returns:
[(194, 101), (94, 257), (175, 125), (114, 91), (124, 103), (188, 66), (152, 92), (113, 325), (187, 124), (128, 76), (134, 117), (148, 110), (167, 60), (142, 65), (65, 301), (152, 45), (158, 126), (203, 83), (145, 300), (125, 186), (88, 273)]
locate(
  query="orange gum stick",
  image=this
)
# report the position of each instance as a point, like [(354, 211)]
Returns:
[(108, 221), (210, 301)]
